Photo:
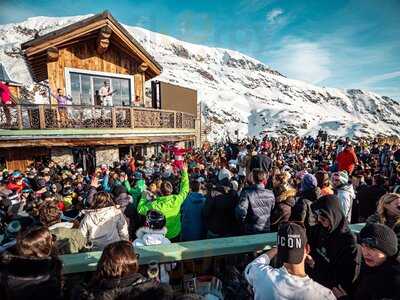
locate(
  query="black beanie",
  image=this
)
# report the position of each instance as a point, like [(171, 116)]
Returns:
[(381, 237)]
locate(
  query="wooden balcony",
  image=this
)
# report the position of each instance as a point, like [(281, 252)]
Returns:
[(74, 125), (80, 117)]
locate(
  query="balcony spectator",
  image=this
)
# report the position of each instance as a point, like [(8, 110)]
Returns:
[(62, 102), (5, 96)]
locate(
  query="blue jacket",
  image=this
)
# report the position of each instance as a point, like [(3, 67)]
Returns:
[(193, 227)]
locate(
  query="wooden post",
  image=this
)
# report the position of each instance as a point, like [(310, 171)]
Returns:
[(175, 119), (113, 117), (42, 117), (19, 112), (132, 117)]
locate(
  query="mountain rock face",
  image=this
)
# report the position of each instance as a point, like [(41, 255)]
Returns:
[(236, 92)]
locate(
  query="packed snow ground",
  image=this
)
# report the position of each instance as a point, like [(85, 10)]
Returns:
[(235, 91)]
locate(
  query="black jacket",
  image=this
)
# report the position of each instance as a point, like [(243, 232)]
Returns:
[(110, 289), (302, 210), (368, 197), (261, 161), (254, 209), (219, 211), (382, 282), (30, 278), (335, 252)]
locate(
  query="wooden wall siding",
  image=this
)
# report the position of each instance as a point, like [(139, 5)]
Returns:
[(20, 160), (84, 56)]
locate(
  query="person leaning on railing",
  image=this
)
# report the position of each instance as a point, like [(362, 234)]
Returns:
[(62, 102)]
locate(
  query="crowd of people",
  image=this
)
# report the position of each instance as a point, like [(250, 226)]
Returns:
[(308, 190)]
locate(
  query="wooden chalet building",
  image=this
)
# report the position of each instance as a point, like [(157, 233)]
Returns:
[(85, 59)]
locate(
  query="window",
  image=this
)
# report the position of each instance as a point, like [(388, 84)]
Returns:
[(85, 87)]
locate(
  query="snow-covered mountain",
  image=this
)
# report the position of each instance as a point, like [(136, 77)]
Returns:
[(236, 91)]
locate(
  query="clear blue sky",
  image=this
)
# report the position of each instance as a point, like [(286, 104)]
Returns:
[(347, 44)]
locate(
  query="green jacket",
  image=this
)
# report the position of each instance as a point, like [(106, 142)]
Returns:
[(69, 240), (135, 192), (170, 206)]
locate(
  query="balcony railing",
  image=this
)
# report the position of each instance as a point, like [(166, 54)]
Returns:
[(77, 116)]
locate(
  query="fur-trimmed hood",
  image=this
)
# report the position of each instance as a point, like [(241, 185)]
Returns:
[(146, 236)]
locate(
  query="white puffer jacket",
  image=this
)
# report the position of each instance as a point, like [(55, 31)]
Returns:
[(146, 237), (104, 226)]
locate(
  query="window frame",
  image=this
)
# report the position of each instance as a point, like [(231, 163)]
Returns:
[(67, 76)]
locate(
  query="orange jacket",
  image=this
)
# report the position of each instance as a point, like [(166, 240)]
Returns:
[(347, 160)]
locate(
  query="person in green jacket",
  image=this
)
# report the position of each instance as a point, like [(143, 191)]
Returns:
[(168, 204), (136, 191)]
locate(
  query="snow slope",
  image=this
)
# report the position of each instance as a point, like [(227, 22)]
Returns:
[(235, 90)]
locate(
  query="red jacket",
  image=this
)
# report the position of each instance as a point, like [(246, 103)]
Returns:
[(13, 186), (347, 160), (5, 94)]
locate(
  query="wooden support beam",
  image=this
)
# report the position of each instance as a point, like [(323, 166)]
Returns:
[(20, 124), (132, 117), (42, 117), (52, 54), (103, 39)]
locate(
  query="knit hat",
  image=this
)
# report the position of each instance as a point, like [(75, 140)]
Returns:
[(309, 182), (343, 177), (381, 237), (291, 240)]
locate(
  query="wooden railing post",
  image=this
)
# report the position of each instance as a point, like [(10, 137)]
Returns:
[(132, 112), (174, 119), (42, 117), (113, 117), (19, 114)]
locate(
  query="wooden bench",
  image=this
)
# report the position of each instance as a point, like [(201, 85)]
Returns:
[(86, 262)]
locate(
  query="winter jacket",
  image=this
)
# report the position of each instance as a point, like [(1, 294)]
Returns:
[(69, 240), (147, 237), (169, 206), (390, 222), (346, 196), (104, 226), (136, 191), (261, 161), (335, 252), (254, 209), (381, 282), (368, 197), (327, 191), (302, 212), (193, 227), (219, 211), (117, 288), (347, 160), (15, 187), (30, 278), (283, 208)]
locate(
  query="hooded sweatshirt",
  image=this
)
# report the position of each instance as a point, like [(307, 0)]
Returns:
[(335, 252), (104, 226)]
